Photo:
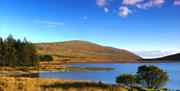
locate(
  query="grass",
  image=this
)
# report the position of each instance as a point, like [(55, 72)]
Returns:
[(42, 84)]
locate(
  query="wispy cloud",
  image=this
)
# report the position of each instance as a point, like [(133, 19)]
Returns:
[(131, 2), (154, 53), (101, 2), (150, 3), (124, 11), (49, 23), (106, 9), (176, 2)]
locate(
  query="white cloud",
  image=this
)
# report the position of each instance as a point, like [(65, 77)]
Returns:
[(106, 9), (124, 11), (176, 2), (154, 53), (50, 23), (101, 2), (131, 2), (150, 3)]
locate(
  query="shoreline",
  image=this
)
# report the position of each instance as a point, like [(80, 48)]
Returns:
[(45, 67), (58, 67), (167, 61)]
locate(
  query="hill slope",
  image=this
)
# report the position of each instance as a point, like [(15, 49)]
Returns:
[(170, 57), (85, 50)]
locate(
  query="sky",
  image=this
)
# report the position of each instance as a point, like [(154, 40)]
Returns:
[(149, 28)]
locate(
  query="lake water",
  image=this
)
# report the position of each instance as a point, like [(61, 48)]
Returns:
[(173, 70)]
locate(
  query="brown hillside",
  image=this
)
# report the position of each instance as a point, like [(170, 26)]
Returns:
[(85, 50)]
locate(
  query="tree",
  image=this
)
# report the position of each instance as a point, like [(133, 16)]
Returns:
[(1, 51), (126, 79), (33, 55), (46, 58), (10, 52), (17, 53), (151, 76)]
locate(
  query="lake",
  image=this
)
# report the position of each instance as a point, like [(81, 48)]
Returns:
[(173, 70)]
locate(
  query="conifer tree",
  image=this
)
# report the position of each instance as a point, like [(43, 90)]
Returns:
[(17, 53)]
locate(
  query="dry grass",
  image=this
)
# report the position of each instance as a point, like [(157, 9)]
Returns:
[(84, 49), (42, 84)]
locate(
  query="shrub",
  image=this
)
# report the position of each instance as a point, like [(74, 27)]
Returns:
[(46, 58), (151, 76), (126, 79)]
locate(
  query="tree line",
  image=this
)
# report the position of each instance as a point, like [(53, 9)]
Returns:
[(17, 52)]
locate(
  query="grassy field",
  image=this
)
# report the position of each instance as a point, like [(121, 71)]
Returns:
[(42, 84)]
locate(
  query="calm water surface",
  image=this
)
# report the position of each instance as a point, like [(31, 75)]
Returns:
[(173, 70)]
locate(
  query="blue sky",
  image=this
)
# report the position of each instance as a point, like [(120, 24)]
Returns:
[(142, 26)]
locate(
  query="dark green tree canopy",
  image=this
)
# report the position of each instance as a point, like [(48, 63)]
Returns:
[(17, 53), (151, 76), (148, 76), (126, 79), (46, 58)]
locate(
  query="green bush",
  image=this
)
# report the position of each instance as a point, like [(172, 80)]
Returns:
[(151, 76), (148, 76), (126, 79), (46, 58)]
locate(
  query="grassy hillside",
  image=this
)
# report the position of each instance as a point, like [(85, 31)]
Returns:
[(84, 49)]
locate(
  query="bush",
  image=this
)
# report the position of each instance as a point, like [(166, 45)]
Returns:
[(46, 58), (126, 79), (151, 76)]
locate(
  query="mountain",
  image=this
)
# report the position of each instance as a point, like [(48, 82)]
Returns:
[(170, 57), (84, 51)]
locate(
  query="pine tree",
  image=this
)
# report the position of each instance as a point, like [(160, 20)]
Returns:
[(11, 51), (1, 51), (17, 53)]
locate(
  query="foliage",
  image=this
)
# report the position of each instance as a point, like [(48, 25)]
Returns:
[(126, 79), (151, 76), (46, 58), (17, 53)]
